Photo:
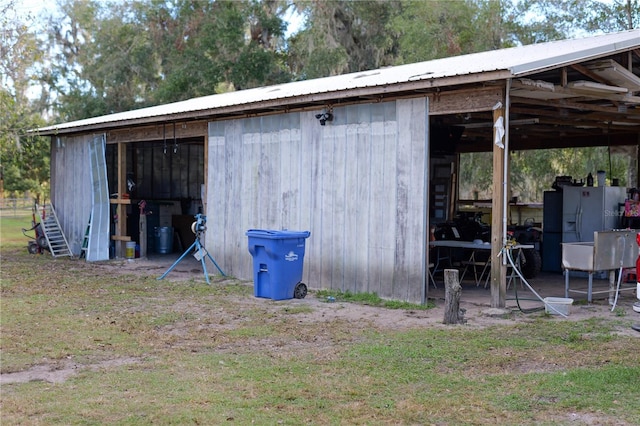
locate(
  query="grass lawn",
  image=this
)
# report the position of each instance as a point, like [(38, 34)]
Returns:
[(107, 347)]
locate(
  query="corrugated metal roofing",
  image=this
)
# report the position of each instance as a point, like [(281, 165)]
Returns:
[(517, 61)]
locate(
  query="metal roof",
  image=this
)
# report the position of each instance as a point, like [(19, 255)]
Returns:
[(513, 62)]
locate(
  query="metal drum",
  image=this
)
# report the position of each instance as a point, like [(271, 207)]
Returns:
[(164, 239)]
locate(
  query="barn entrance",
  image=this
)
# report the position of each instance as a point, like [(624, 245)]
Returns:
[(162, 181)]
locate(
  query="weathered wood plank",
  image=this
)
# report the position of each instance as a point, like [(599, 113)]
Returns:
[(388, 202), (416, 218), (352, 243), (362, 140), (403, 173), (315, 198), (378, 250), (307, 125), (216, 193), (188, 129), (340, 165), (235, 213), (463, 101), (326, 211)]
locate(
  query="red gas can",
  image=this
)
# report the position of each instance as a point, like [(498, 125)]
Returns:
[(637, 273), (638, 260)]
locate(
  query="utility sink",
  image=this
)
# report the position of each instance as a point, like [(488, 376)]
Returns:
[(578, 256), (610, 251)]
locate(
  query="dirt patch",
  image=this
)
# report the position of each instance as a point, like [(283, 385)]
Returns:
[(475, 301), (57, 373)]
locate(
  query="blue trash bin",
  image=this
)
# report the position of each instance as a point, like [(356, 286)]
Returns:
[(278, 263)]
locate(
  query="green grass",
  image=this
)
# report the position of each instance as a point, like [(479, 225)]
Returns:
[(371, 299), (162, 352)]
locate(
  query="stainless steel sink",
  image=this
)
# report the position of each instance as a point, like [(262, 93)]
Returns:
[(610, 251), (578, 256)]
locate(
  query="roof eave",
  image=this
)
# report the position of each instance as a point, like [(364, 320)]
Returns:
[(311, 101)]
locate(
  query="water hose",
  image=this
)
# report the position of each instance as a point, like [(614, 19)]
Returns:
[(507, 250), (624, 243)]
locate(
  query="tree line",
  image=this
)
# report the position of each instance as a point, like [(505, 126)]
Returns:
[(85, 58)]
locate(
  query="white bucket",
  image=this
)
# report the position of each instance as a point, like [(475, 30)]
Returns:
[(130, 252)]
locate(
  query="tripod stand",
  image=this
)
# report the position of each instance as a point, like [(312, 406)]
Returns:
[(199, 251)]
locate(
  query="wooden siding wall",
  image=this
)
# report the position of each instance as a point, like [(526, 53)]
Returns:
[(71, 186), (356, 183)]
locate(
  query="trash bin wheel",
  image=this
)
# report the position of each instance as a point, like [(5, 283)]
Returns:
[(300, 291)]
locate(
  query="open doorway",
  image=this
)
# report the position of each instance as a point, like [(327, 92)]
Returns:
[(165, 183)]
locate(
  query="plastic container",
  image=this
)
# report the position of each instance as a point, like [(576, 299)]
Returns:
[(130, 250), (278, 258), (557, 305), (164, 239)]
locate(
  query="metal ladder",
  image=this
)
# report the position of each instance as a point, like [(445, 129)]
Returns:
[(58, 245), (85, 241)]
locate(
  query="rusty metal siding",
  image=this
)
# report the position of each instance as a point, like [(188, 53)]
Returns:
[(356, 183)]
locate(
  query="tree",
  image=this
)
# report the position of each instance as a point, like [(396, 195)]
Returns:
[(438, 29), (104, 61), (570, 17), (341, 36), (19, 51), (24, 158), (124, 55)]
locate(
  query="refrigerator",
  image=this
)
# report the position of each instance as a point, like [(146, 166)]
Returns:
[(552, 231), (586, 209)]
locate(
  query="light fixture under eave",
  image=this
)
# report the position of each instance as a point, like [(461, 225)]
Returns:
[(520, 122), (324, 117)]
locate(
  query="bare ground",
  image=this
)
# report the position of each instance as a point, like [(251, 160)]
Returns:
[(313, 320)]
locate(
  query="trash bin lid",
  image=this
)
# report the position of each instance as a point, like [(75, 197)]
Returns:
[(277, 235)]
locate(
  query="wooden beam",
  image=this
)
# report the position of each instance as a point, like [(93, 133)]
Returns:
[(564, 103), (184, 130), (566, 92), (588, 73), (565, 117), (119, 201), (498, 271), (470, 100)]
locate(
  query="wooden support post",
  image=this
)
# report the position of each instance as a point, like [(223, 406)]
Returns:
[(498, 270), (143, 235), (121, 208), (452, 291)]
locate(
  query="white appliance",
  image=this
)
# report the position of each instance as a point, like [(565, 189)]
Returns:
[(587, 209)]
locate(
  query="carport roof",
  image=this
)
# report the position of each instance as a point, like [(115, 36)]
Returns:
[(479, 67)]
